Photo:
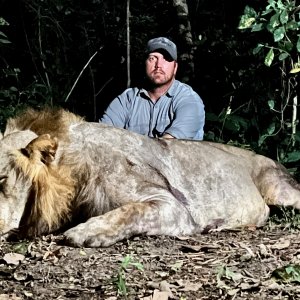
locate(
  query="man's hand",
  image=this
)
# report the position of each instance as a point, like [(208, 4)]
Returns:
[(168, 136)]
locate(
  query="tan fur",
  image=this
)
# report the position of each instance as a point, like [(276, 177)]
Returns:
[(52, 121), (51, 185), (117, 184)]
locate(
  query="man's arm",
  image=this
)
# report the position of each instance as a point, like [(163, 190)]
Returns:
[(168, 136), (116, 113), (189, 118)]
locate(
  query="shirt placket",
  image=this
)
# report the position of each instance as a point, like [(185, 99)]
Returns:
[(154, 108)]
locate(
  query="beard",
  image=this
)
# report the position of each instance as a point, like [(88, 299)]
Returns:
[(159, 78)]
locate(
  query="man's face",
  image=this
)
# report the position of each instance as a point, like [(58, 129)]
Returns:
[(159, 70)]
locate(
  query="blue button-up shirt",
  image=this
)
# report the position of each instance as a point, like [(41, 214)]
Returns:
[(180, 112)]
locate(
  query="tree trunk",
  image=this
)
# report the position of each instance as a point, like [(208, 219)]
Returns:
[(185, 40)]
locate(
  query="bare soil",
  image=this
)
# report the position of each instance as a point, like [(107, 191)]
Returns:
[(220, 265)]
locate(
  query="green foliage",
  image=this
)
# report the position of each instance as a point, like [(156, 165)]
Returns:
[(225, 274), (287, 274), (281, 20), (276, 27), (3, 37), (21, 247), (127, 263), (228, 123)]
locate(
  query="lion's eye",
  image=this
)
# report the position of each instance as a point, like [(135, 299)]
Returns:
[(3, 178), (2, 181)]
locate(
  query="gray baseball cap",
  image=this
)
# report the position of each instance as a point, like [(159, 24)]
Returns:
[(162, 43)]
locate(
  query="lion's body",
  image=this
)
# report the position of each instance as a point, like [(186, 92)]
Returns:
[(120, 183)]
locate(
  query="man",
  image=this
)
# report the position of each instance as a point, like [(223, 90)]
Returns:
[(165, 107)]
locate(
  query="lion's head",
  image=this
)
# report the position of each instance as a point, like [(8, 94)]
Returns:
[(35, 193)]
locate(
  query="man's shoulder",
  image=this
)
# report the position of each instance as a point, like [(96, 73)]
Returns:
[(132, 91), (130, 94), (180, 89)]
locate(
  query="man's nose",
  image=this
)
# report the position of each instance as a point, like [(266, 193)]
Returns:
[(159, 62)]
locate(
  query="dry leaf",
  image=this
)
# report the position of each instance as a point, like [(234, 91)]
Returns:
[(232, 292), (13, 258), (9, 297), (158, 295), (281, 244), (20, 276), (191, 287), (28, 294), (263, 250)]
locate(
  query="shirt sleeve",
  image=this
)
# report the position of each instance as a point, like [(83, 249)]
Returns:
[(117, 112), (189, 117)]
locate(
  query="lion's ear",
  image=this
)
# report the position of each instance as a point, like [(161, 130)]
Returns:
[(42, 148)]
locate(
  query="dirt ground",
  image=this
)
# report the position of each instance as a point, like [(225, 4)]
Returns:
[(222, 265)]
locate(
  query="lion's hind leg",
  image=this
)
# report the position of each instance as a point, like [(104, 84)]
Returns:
[(277, 187)]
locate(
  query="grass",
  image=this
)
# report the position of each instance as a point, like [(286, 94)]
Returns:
[(127, 263)]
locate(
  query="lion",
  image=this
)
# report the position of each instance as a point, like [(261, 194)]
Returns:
[(99, 184)]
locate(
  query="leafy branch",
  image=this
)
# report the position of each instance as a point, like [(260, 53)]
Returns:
[(281, 19), (279, 26)]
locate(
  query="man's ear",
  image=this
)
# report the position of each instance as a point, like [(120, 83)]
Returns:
[(175, 67)]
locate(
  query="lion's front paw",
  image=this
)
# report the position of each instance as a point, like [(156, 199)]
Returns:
[(75, 236), (79, 239), (94, 233)]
